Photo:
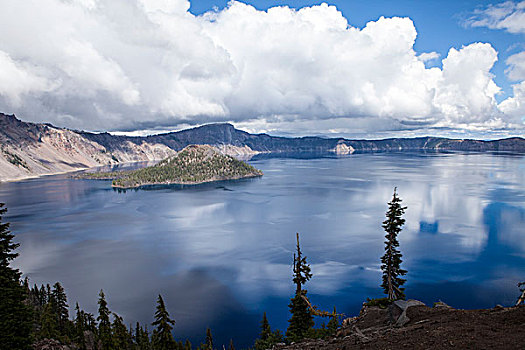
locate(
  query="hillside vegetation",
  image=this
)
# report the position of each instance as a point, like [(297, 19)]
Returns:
[(193, 165)]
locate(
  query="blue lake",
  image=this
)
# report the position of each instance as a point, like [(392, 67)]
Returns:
[(221, 254)]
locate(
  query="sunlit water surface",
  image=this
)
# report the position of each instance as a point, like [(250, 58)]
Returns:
[(221, 254)]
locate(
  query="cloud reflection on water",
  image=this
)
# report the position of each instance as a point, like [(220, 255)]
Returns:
[(221, 258)]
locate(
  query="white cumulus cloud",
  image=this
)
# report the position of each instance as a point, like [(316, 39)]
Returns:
[(508, 15), (131, 65), (18, 78), (516, 66)]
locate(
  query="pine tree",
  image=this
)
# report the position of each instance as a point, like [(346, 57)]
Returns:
[(162, 338), (301, 269), (121, 337), (333, 324), (209, 339), (142, 338), (301, 321), (266, 330), (80, 327), (43, 296), (60, 307), (15, 316), (267, 338), (187, 345), (391, 260), (48, 324), (104, 325)]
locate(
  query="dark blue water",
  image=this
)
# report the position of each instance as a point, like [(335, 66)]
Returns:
[(220, 254)]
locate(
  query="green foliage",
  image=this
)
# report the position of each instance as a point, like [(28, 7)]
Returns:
[(333, 324), (267, 338), (162, 338), (142, 338), (391, 260), (265, 328), (194, 164), (301, 322), (121, 337), (209, 339), (382, 303), (301, 269), (48, 323), (59, 305), (104, 325), (80, 326), (14, 159), (15, 317)]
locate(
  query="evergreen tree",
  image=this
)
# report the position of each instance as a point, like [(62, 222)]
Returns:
[(267, 338), (43, 296), (80, 327), (333, 324), (301, 321), (48, 324), (121, 337), (162, 338), (231, 347), (142, 338), (104, 325), (266, 330), (60, 307), (391, 260), (91, 324), (209, 339), (15, 316), (301, 269), (187, 345)]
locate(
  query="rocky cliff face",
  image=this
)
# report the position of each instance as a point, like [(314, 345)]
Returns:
[(29, 149)]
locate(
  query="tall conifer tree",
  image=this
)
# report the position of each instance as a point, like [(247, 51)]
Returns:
[(15, 316), (209, 339), (266, 330), (162, 338), (121, 337), (301, 321), (48, 323), (267, 339), (104, 325), (391, 260), (60, 307)]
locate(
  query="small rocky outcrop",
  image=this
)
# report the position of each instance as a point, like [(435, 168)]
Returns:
[(51, 344), (412, 325)]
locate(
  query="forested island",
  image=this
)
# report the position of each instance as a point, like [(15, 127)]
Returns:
[(195, 164)]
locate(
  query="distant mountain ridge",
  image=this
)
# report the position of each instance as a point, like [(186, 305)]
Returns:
[(31, 149)]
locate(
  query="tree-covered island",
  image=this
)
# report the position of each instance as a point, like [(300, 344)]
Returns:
[(194, 164)]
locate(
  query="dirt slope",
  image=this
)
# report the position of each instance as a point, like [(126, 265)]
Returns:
[(428, 328)]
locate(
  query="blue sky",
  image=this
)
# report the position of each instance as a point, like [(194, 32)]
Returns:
[(363, 69)]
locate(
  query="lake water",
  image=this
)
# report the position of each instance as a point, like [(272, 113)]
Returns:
[(221, 254)]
